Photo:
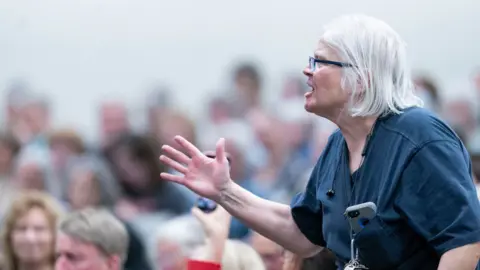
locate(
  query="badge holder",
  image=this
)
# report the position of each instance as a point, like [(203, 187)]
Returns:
[(354, 263)]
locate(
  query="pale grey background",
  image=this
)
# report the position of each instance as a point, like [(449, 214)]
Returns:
[(80, 51)]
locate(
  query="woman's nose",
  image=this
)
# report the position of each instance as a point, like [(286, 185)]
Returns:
[(30, 235), (307, 71)]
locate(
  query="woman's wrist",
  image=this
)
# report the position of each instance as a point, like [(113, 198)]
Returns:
[(215, 246)]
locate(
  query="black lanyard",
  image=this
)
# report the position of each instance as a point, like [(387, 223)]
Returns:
[(357, 175)]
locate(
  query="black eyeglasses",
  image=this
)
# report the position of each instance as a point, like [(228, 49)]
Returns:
[(313, 63)]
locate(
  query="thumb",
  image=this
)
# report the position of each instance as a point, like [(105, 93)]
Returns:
[(201, 216), (220, 150)]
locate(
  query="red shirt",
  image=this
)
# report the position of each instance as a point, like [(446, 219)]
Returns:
[(201, 265)]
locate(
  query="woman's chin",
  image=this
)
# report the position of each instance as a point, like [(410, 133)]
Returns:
[(309, 106)]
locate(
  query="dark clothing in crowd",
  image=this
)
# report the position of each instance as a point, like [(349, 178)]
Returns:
[(136, 257)]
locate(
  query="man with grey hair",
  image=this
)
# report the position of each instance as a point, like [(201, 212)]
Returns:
[(91, 239), (388, 150)]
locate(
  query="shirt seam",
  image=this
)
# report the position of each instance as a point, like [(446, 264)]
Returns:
[(418, 146)]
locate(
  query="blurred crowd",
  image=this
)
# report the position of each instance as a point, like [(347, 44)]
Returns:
[(273, 147)]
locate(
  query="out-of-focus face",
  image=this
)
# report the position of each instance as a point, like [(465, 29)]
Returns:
[(12, 115), (237, 166), (246, 87), (172, 125), (219, 111), (265, 127), (73, 254), (292, 89), (60, 152), (114, 120), (134, 172), (295, 133), (6, 156), (30, 176), (35, 117), (460, 113), (83, 190), (326, 94), (32, 237), (170, 256)]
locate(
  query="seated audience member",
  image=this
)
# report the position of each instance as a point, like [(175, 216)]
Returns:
[(247, 89), (91, 239), (114, 121), (238, 255), (171, 123), (476, 171), (64, 144), (218, 252), (135, 164), (239, 137), (175, 242), (271, 252), (428, 91), (460, 110), (29, 232), (33, 172), (137, 255), (324, 260), (90, 183), (9, 148), (293, 87)]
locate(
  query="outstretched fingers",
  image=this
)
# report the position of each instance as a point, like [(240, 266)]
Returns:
[(191, 149), (173, 178), (173, 164), (176, 155), (220, 150)]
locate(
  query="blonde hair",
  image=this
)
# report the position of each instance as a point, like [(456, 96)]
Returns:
[(179, 118), (240, 256), (27, 201), (186, 231), (379, 65), (69, 137), (324, 260)]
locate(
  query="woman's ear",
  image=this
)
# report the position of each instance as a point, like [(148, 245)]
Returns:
[(114, 262), (363, 83)]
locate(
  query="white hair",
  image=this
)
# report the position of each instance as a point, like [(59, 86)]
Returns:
[(237, 255), (241, 256), (39, 156), (186, 231), (378, 56)]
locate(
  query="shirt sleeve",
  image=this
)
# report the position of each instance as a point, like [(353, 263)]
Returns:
[(438, 197), (202, 265), (307, 211)]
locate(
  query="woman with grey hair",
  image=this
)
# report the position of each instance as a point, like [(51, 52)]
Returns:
[(33, 171), (388, 151), (90, 183), (175, 242)]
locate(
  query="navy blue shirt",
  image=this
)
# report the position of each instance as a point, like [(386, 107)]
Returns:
[(417, 172)]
